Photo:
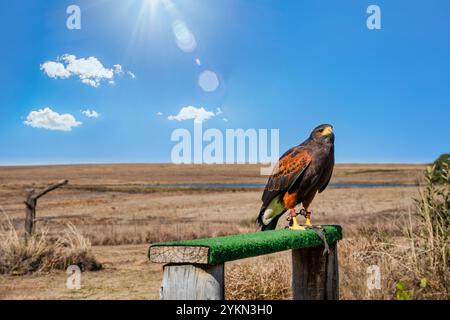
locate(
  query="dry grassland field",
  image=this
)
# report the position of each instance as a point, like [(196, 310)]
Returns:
[(122, 209)]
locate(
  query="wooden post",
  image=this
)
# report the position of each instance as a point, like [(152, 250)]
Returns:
[(31, 203), (30, 212), (315, 276), (193, 282)]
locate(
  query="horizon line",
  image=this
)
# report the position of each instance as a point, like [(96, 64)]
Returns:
[(186, 164)]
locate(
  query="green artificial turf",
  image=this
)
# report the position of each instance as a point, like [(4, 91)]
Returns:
[(228, 248)]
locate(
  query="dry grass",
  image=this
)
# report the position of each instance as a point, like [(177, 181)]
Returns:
[(41, 252), (113, 211), (259, 279), (129, 234), (126, 274)]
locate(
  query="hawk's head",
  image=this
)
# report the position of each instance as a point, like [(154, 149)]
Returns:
[(323, 133)]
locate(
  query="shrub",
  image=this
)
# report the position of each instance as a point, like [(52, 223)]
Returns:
[(434, 229), (440, 164), (41, 252)]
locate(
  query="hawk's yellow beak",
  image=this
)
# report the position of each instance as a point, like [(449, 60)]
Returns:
[(327, 131)]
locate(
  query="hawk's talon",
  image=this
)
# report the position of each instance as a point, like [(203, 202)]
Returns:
[(307, 215), (308, 219), (295, 225), (304, 213), (292, 214)]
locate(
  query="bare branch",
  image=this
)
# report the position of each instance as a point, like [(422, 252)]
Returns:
[(50, 188)]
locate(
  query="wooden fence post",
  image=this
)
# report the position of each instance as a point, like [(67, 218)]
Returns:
[(30, 213), (31, 203), (193, 282), (315, 276)]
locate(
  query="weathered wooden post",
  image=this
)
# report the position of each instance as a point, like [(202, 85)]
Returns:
[(315, 275), (31, 203), (193, 282), (188, 274), (194, 269), (30, 212)]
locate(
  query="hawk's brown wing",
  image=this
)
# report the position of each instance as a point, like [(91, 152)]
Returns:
[(330, 173), (287, 172)]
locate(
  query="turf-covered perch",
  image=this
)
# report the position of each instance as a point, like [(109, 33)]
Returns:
[(194, 269), (222, 249)]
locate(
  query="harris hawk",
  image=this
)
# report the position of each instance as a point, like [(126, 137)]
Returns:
[(300, 173)]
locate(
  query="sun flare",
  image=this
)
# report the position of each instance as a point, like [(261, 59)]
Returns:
[(152, 4)]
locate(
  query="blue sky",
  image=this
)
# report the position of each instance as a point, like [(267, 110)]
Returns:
[(287, 65)]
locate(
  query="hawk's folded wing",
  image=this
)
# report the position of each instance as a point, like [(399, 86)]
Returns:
[(287, 173)]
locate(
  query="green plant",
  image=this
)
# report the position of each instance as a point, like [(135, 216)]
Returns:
[(401, 293), (440, 163), (433, 206), (423, 283)]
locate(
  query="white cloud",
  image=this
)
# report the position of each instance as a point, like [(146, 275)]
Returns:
[(118, 69), (48, 119), (197, 114), (159, 113), (225, 119), (131, 74), (92, 83), (89, 70), (55, 70), (219, 112), (90, 113)]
